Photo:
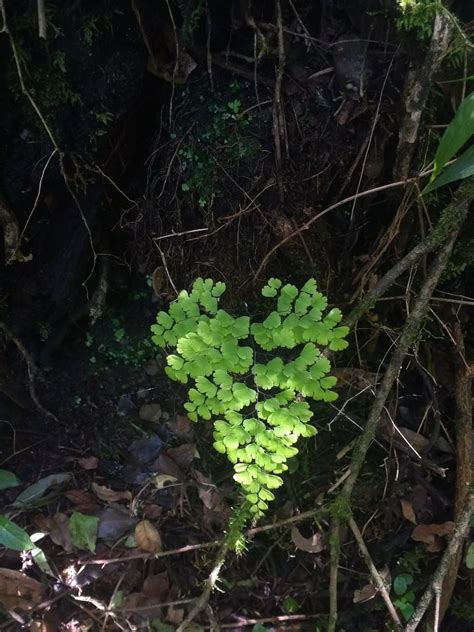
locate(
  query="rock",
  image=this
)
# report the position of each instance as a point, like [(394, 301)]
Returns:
[(143, 451), (125, 405), (150, 412), (152, 368)]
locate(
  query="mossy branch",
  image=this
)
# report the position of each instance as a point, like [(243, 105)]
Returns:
[(451, 224)]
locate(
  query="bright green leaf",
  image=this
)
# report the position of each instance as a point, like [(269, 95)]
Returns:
[(83, 531)]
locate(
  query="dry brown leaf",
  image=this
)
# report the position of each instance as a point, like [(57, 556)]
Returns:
[(79, 497), (415, 439), (17, 590), (430, 534), (156, 586), (152, 511), (180, 426), (175, 615), (408, 511), (161, 480), (166, 465), (184, 454), (59, 533), (157, 278), (88, 462), (57, 527), (110, 495), (314, 544), (368, 592), (207, 490), (147, 537)]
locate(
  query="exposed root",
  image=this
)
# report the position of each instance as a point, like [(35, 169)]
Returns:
[(33, 371), (11, 234)]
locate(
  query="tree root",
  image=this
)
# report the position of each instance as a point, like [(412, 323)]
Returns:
[(33, 371)]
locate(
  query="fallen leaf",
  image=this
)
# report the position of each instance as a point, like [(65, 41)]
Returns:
[(14, 537), (314, 544), (150, 412), (83, 531), (368, 592), (430, 534), (175, 615), (162, 479), (79, 497), (184, 454), (157, 279), (156, 586), (17, 590), (110, 495), (152, 511), (147, 537), (180, 426), (114, 522), (57, 527), (207, 490), (35, 491), (408, 511), (88, 462), (143, 451), (164, 464)]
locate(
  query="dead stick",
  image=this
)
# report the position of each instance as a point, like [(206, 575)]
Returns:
[(378, 581), (41, 19), (203, 600)]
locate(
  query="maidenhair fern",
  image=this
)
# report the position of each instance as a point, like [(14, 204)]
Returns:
[(252, 377)]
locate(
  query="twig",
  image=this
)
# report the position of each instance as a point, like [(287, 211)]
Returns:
[(205, 545), (203, 600), (351, 198), (378, 581), (407, 338), (435, 586), (459, 205), (285, 618), (208, 45), (38, 195), (278, 115), (41, 19)]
